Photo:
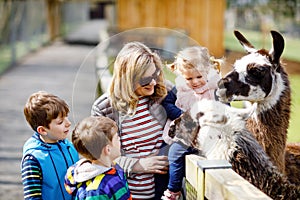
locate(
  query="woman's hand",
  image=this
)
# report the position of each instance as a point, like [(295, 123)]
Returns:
[(153, 164)]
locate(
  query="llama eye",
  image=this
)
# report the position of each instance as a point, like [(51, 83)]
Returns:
[(200, 114), (257, 72)]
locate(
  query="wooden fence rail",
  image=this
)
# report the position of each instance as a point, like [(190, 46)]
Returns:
[(214, 179)]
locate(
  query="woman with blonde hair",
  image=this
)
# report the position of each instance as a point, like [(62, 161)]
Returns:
[(133, 102)]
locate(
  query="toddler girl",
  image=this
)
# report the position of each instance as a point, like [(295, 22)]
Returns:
[(198, 75)]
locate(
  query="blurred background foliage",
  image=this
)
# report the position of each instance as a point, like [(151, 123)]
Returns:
[(262, 15), (257, 17)]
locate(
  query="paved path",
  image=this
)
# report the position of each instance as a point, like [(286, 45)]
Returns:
[(65, 70)]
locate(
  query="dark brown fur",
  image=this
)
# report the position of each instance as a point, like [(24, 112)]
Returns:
[(251, 162), (271, 128)]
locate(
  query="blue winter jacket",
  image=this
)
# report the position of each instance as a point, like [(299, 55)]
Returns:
[(54, 160), (173, 112)]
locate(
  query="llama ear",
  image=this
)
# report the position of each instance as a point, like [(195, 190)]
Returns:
[(244, 42), (278, 46)]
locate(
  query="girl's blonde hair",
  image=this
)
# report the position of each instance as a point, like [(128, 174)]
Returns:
[(195, 57), (130, 65)]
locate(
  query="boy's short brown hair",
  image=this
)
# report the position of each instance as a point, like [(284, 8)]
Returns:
[(92, 134), (42, 107)]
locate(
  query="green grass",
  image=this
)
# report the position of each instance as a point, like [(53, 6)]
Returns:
[(5, 59), (169, 75), (293, 131), (21, 48), (260, 40)]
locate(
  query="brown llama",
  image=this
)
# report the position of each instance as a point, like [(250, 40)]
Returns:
[(260, 77), (219, 132)]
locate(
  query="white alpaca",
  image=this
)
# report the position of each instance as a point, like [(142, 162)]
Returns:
[(221, 133)]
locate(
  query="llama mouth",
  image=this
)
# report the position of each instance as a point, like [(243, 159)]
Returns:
[(225, 99), (221, 94), (230, 99)]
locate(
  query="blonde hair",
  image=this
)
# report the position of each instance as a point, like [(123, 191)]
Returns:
[(195, 57), (92, 134), (130, 65)]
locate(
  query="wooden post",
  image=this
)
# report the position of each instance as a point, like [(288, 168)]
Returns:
[(205, 165), (193, 175), (214, 179), (53, 18)]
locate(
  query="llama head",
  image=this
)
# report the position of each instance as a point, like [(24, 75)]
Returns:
[(208, 123), (256, 77)]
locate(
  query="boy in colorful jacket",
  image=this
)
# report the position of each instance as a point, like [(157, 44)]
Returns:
[(97, 176)]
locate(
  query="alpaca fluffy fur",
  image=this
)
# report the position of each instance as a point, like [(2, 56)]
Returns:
[(219, 132)]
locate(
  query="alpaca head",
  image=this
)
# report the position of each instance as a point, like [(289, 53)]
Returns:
[(256, 77), (213, 122)]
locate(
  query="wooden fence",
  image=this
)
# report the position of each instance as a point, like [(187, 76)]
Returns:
[(214, 179), (202, 20)]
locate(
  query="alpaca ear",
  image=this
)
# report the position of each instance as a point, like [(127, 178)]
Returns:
[(244, 42), (278, 46)]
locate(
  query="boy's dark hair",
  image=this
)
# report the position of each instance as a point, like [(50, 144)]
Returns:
[(42, 107), (92, 134)]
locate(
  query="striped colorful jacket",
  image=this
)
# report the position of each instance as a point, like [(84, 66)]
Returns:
[(85, 180)]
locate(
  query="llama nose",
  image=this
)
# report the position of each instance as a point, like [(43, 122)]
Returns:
[(222, 82)]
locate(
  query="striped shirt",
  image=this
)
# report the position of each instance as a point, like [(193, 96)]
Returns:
[(32, 178), (141, 136)]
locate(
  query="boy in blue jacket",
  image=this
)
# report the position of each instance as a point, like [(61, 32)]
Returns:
[(47, 154)]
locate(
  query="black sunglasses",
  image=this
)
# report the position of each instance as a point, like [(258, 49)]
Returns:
[(147, 80)]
